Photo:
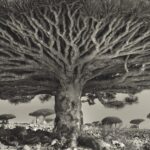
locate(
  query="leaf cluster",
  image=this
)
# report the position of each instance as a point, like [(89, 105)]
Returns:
[(42, 112), (111, 120), (7, 116), (136, 121)]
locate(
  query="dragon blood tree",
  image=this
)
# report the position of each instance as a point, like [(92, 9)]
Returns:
[(68, 49), (6, 117), (111, 121), (136, 122), (42, 112)]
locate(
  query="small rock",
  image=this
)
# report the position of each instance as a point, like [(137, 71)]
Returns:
[(26, 147)]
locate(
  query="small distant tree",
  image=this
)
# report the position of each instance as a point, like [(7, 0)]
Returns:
[(42, 112), (111, 121), (136, 122), (33, 114), (6, 117)]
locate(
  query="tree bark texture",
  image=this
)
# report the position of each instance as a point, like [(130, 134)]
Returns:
[(69, 117)]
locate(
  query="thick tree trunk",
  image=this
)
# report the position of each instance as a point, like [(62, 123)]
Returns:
[(69, 118)]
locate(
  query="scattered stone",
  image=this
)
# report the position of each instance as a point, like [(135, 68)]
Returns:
[(26, 147)]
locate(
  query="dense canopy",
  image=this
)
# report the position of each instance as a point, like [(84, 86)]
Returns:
[(111, 120), (136, 121), (5, 117), (71, 48), (116, 51), (42, 112)]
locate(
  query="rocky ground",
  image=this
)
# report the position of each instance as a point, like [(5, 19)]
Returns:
[(94, 138)]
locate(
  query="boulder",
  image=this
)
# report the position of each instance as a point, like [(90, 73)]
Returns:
[(26, 147)]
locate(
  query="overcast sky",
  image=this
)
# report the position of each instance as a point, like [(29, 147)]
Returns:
[(91, 113)]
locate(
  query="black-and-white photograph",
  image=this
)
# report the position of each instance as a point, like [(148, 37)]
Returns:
[(74, 74)]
